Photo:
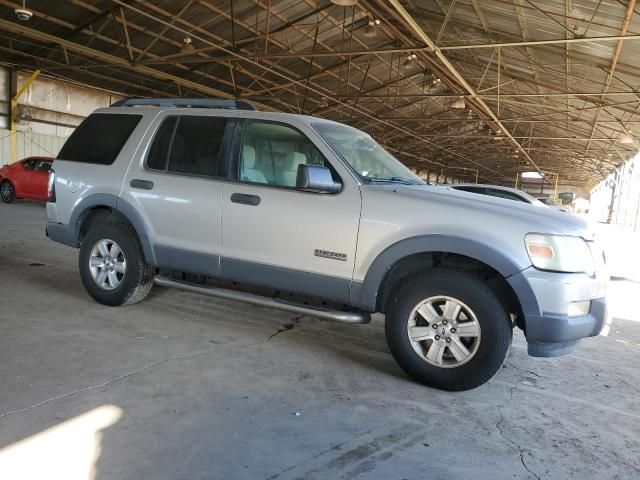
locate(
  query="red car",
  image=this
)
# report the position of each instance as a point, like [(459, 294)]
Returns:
[(26, 178)]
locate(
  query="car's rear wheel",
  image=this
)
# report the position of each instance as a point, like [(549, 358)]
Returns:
[(112, 265), (448, 330), (7, 192)]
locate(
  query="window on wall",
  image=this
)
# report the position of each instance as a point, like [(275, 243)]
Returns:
[(271, 153), (188, 144)]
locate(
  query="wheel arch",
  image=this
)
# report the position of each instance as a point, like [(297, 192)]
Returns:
[(413, 255), (101, 207)]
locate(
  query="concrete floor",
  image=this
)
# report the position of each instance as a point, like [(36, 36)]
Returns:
[(184, 386)]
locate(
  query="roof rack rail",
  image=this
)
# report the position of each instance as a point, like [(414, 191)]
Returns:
[(186, 102)]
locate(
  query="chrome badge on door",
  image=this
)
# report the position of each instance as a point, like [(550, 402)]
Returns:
[(332, 255)]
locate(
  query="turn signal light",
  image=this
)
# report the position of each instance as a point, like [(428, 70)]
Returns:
[(540, 251)]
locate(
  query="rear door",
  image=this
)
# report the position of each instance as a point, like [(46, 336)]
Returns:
[(23, 177), (276, 235), (176, 185)]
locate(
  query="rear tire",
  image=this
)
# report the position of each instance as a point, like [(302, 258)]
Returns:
[(448, 330), (7, 192), (112, 265)]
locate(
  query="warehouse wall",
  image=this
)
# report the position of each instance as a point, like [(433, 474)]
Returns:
[(617, 198), (48, 111), (29, 144)]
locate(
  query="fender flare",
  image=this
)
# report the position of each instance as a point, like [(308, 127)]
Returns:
[(365, 294), (122, 207)]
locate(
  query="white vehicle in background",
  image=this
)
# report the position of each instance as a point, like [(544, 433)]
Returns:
[(505, 192)]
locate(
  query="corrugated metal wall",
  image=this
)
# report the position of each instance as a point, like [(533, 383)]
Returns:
[(29, 144), (49, 110)]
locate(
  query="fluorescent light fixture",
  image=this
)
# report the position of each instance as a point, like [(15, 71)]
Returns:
[(537, 175)]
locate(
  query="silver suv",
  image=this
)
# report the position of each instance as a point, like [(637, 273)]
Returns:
[(315, 217)]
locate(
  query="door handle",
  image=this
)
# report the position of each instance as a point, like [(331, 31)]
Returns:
[(141, 184), (245, 199)]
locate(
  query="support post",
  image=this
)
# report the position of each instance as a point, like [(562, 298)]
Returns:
[(14, 109)]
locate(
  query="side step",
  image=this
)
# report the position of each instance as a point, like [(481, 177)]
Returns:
[(319, 312)]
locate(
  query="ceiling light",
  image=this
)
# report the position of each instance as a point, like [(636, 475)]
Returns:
[(458, 103), (187, 47), (345, 3), (410, 61), (371, 31), (626, 139)]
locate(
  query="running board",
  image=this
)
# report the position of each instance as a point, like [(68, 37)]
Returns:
[(319, 312)]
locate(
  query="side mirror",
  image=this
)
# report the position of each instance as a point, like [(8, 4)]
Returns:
[(316, 178)]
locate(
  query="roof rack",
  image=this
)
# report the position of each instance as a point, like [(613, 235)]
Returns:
[(186, 102)]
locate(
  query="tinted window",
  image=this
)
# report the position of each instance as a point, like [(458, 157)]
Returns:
[(195, 147), (99, 138), (29, 164), (159, 151), (271, 153), (43, 166), (471, 189)]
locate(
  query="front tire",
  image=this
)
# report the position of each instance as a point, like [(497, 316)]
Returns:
[(448, 330), (112, 265), (7, 192)]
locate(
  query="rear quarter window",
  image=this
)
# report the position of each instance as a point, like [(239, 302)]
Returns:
[(99, 138)]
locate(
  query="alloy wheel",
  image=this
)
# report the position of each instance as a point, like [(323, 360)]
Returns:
[(444, 331), (107, 264)]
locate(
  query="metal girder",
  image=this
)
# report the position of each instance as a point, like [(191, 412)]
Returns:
[(121, 62), (420, 33), (614, 62)]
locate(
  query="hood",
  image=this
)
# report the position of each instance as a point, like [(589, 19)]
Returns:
[(541, 220)]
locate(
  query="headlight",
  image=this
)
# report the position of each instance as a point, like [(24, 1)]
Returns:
[(559, 253)]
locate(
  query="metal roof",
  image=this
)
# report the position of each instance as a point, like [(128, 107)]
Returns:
[(554, 79)]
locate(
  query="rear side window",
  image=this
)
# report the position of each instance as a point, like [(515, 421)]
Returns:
[(188, 145), (159, 151), (99, 138)]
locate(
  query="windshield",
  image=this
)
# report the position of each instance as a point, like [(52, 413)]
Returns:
[(365, 156)]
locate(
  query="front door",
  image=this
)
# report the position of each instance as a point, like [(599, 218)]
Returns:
[(277, 236), (176, 187)]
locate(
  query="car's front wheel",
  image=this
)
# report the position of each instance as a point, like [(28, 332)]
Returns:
[(7, 192), (448, 330), (112, 265)]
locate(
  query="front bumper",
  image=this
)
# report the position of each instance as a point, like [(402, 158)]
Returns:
[(553, 335), (549, 328)]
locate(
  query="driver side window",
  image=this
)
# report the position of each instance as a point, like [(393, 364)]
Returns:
[(271, 152)]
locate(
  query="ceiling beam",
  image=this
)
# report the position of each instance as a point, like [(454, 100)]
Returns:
[(420, 33)]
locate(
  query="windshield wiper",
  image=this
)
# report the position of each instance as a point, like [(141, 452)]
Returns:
[(402, 180)]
